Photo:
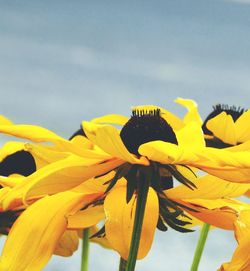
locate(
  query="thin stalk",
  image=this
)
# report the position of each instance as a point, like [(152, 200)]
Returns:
[(200, 247), (122, 265), (142, 193), (85, 250)]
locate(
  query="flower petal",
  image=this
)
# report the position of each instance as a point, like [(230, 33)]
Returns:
[(108, 139), (228, 165), (67, 244), (167, 153), (242, 127), (222, 126), (5, 121), (208, 187), (56, 177), (191, 136), (120, 218), (241, 257), (111, 119), (33, 237), (86, 218), (192, 107), (40, 134), (10, 148), (221, 213)]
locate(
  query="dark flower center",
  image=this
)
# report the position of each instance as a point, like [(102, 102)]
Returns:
[(20, 162), (145, 126), (233, 111), (7, 219)]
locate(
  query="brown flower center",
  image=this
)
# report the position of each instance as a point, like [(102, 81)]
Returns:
[(145, 126)]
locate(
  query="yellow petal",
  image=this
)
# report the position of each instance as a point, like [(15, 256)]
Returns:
[(222, 126), (56, 177), (11, 181), (241, 257), (192, 107), (191, 136), (67, 244), (208, 187), (120, 218), (86, 218), (111, 119), (98, 184), (175, 122), (102, 241), (31, 132), (242, 127), (5, 121), (108, 139), (228, 165), (167, 153), (82, 141), (40, 134), (44, 155), (240, 147), (10, 148), (221, 213), (33, 237)]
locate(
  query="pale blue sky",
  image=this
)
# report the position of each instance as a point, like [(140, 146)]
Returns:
[(65, 61)]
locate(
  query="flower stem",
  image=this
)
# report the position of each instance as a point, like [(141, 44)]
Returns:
[(142, 193), (85, 250), (122, 265), (200, 247)]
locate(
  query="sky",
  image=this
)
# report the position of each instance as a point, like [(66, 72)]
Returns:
[(62, 62)]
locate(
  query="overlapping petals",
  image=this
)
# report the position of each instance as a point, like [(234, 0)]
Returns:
[(232, 132), (72, 174), (33, 253)]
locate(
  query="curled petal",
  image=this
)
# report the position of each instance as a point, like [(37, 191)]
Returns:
[(221, 213), (192, 107), (67, 244)]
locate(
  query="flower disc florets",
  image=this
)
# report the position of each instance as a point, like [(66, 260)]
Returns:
[(145, 126)]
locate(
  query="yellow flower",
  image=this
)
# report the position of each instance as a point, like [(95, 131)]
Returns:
[(147, 147), (227, 126)]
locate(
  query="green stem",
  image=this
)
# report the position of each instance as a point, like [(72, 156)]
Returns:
[(142, 194), (200, 247), (85, 250), (122, 265)]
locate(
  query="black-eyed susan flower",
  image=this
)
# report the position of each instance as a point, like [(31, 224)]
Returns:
[(149, 150), (227, 126)]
